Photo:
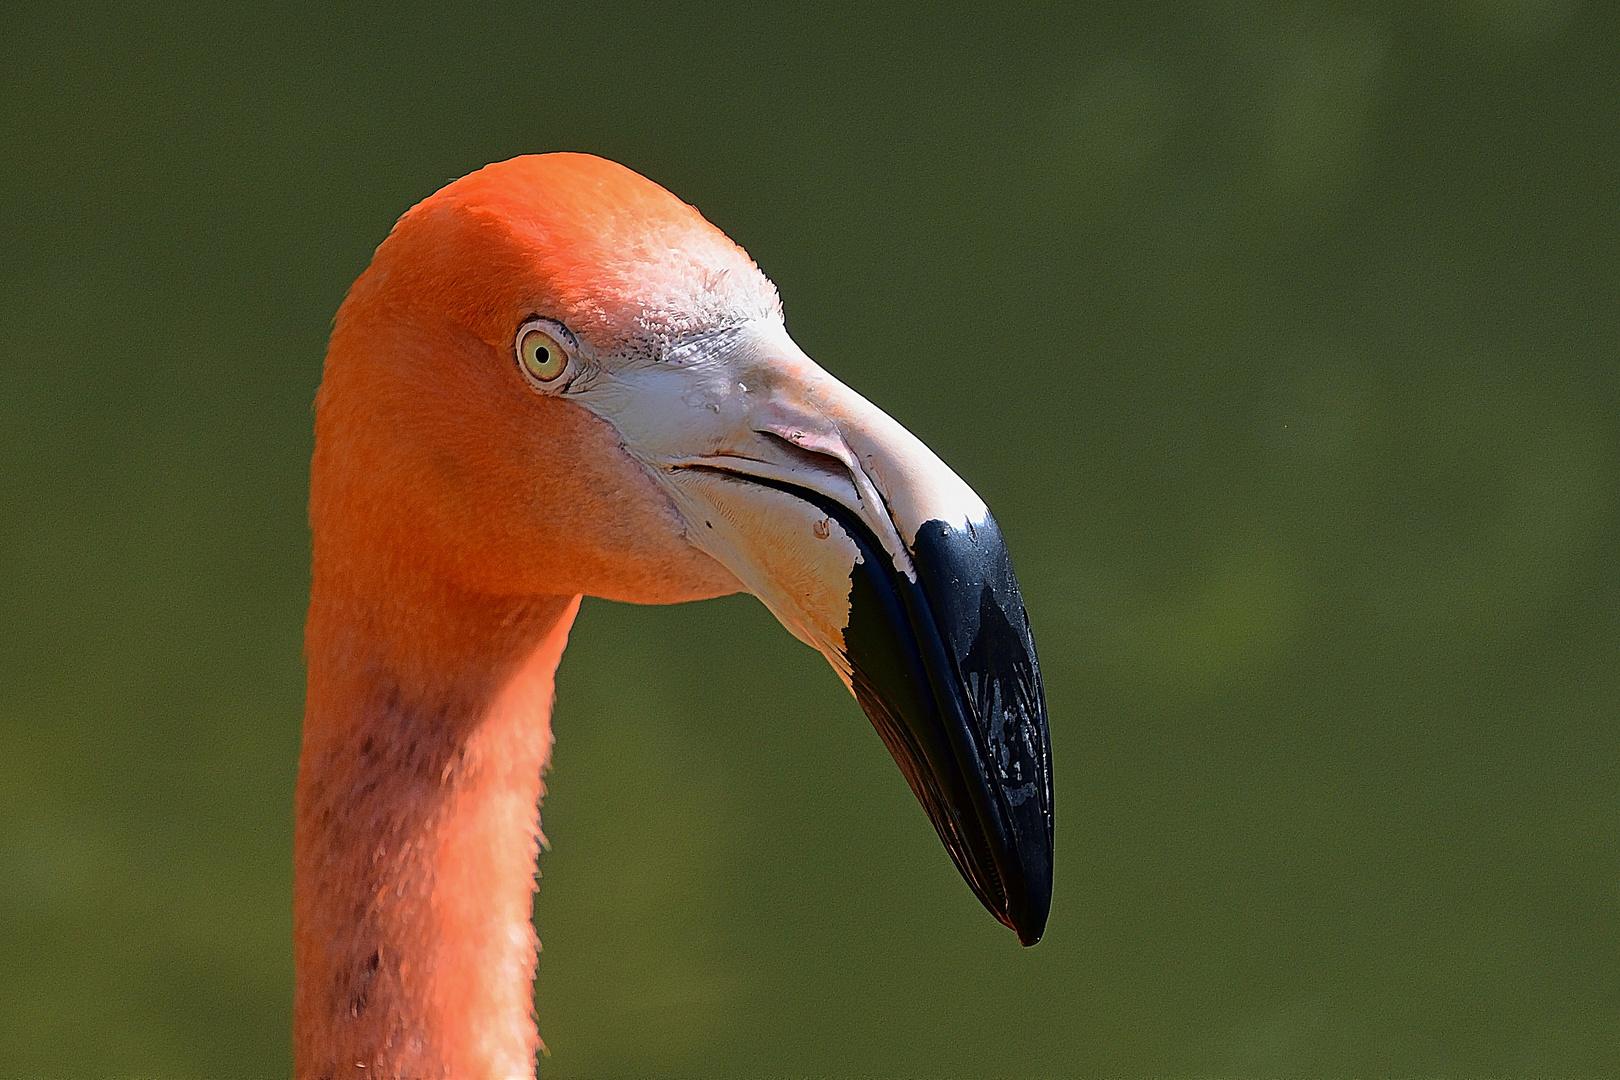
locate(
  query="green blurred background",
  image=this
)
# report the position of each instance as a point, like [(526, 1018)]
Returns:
[(1282, 338)]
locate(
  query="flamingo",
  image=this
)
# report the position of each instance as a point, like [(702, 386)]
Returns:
[(555, 379)]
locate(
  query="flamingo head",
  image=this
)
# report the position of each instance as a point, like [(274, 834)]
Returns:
[(556, 378)]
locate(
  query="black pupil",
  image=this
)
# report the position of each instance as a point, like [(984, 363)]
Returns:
[(541, 355)]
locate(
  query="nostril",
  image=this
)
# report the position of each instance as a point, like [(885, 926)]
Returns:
[(801, 457)]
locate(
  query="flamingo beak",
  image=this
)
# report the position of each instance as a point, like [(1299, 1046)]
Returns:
[(865, 545)]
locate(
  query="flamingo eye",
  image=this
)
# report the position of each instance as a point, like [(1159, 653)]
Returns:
[(541, 352)]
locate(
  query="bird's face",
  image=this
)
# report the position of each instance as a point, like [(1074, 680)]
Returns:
[(686, 446)]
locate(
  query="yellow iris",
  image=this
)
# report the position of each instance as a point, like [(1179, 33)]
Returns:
[(541, 354)]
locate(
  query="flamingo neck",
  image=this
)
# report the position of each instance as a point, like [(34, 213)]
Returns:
[(426, 727)]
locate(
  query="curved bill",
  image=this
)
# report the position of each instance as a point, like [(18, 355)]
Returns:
[(869, 548)]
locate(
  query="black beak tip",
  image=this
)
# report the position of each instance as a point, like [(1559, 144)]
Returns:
[(1027, 910), (1030, 923), (945, 667)]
